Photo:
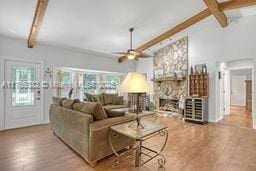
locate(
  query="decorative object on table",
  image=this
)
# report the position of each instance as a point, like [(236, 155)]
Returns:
[(199, 69), (159, 73), (204, 68), (70, 93), (196, 109), (135, 83), (199, 85)]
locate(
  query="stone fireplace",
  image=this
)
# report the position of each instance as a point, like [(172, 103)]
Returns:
[(171, 59)]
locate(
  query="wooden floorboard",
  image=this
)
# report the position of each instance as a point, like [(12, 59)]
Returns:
[(227, 145)]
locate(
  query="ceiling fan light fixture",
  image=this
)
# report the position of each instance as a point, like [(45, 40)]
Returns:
[(130, 56)]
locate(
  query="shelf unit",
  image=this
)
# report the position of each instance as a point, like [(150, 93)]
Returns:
[(196, 109), (199, 85)]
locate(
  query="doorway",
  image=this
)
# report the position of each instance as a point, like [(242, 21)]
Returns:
[(236, 87), (23, 95), (238, 90)]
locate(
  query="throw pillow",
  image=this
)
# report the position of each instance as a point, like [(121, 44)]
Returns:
[(94, 109), (89, 97), (108, 98), (78, 106), (56, 101), (68, 103), (114, 113), (118, 100), (98, 98), (62, 100)]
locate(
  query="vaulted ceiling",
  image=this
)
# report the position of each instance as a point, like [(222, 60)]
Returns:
[(100, 25)]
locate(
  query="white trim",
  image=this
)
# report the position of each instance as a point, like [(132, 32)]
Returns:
[(2, 68), (1, 94)]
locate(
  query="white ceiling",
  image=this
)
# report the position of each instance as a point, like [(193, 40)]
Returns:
[(99, 25)]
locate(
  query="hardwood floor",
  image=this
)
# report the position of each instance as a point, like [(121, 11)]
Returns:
[(239, 117), (219, 146)]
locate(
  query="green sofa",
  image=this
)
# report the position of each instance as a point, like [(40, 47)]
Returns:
[(85, 135)]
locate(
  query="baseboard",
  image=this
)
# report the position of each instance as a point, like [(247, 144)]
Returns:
[(220, 118), (45, 122), (216, 120)]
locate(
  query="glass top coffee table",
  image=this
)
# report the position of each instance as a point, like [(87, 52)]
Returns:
[(138, 134)]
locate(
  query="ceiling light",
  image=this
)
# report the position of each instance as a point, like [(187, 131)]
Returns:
[(130, 56)]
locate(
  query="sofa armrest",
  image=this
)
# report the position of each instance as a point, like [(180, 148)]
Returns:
[(111, 122), (72, 127)]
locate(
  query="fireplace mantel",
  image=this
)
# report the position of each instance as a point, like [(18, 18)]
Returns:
[(169, 79)]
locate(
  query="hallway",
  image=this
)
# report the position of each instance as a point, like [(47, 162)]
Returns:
[(239, 117)]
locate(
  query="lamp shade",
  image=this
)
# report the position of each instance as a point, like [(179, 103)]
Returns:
[(135, 82)]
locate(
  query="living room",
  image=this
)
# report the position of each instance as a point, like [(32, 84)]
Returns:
[(180, 54)]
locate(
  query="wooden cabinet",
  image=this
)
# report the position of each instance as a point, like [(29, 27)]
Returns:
[(199, 85), (196, 109)]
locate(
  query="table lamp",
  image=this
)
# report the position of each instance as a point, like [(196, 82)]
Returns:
[(136, 84)]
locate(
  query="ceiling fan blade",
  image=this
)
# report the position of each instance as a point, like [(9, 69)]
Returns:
[(144, 55), (119, 53)]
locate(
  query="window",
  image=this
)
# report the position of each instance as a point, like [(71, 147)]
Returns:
[(113, 81), (23, 93), (98, 83), (65, 78), (89, 82)]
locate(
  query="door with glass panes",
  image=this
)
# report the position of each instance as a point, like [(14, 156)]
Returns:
[(22, 95)]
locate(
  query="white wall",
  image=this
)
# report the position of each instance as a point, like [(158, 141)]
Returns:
[(210, 44), (55, 57), (243, 72)]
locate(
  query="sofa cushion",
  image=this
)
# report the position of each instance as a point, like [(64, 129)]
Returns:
[(94, 109), (115, 113), (108, 98), (115, 106), (118, 100), (68, 103)]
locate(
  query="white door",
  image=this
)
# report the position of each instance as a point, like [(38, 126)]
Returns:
[(238, 91), (22, 97)]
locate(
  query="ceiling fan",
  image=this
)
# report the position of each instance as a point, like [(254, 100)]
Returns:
[(132, 53)]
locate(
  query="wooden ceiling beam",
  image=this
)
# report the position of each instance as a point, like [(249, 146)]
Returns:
[(213, 6), (37, 21), (229, 5), (234, 4), (198, 17)]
